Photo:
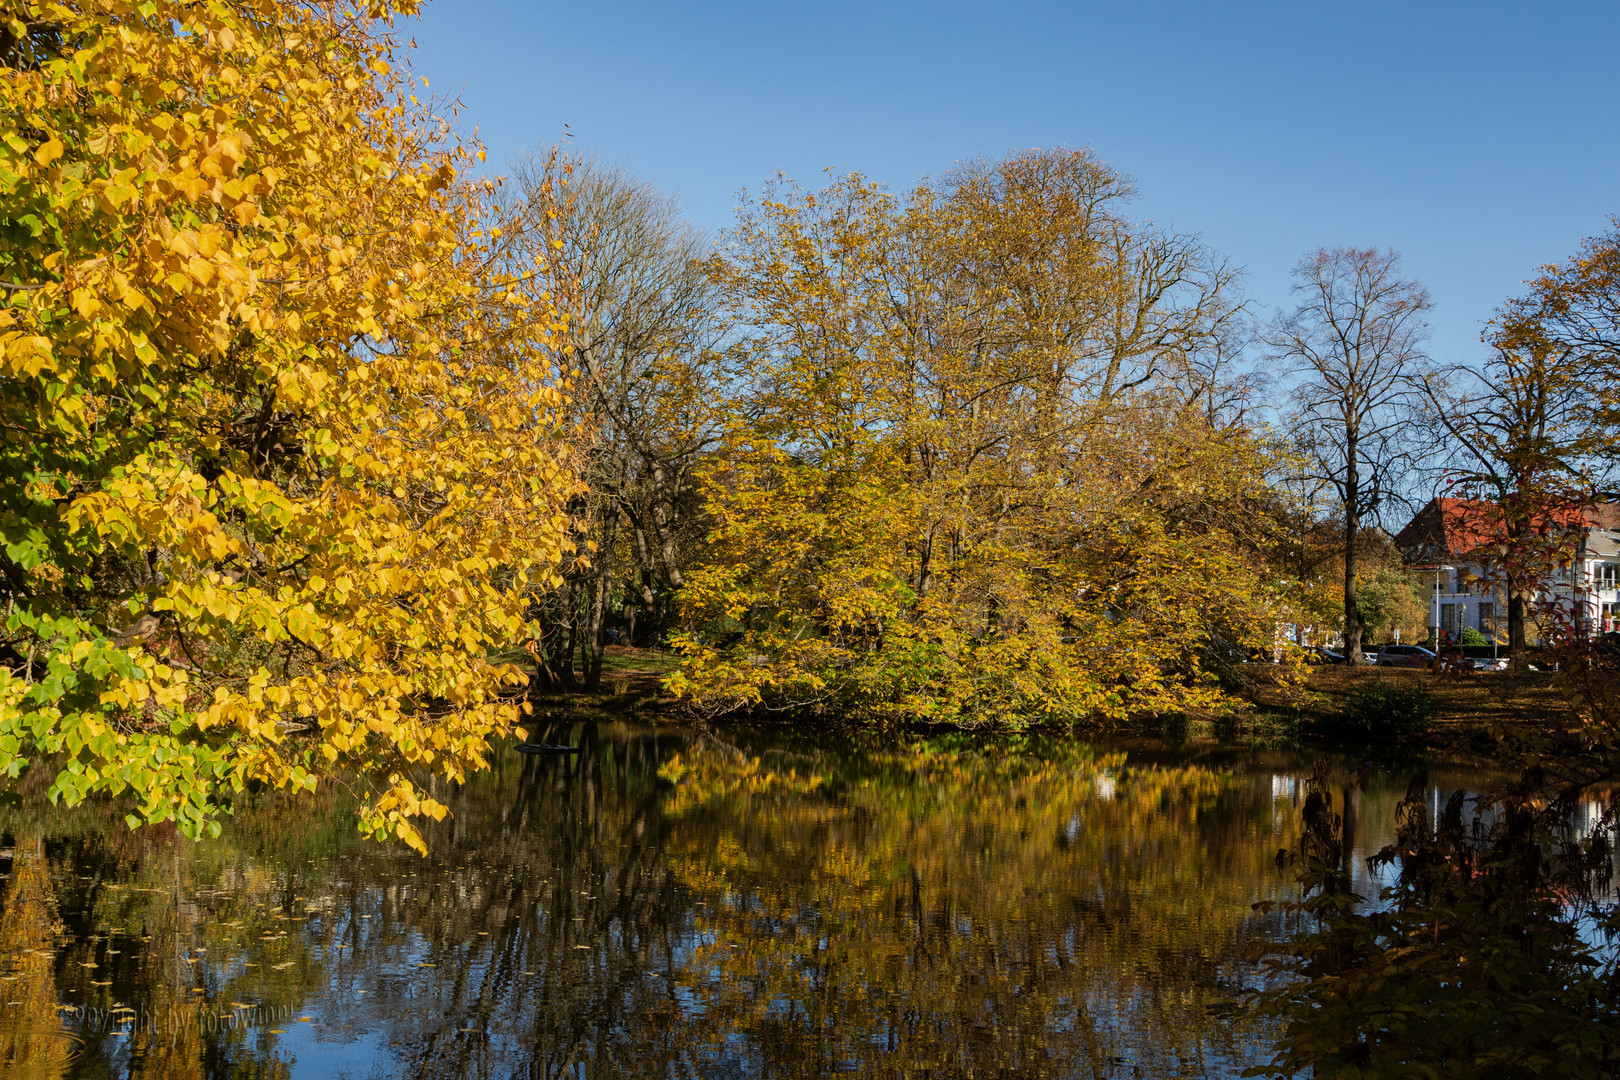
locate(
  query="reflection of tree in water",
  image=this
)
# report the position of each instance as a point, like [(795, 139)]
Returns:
[(940, 910), (882, 910), (664, 905), (29, 929), (157, 940), (555, 937)]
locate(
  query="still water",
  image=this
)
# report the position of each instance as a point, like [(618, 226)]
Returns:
[(668, 904)]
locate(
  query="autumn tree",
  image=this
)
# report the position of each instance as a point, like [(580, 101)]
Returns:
[(967, 473), (1310, 554), (1573, 310), (1533, 431), (1495, 906), (1354, 343), (278, 458), (1520, 436), (634, 279), (1389, 595)]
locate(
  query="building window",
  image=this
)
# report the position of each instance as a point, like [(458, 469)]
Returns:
[(1487, 619), (1611, 617), (1448, 619)]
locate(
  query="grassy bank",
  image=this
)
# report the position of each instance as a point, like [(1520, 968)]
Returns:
[(631, 689), (1465, 709)]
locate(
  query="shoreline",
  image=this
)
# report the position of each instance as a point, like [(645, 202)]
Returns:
[(1473, 713)]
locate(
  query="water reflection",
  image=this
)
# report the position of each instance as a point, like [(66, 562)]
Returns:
[(668, 904)]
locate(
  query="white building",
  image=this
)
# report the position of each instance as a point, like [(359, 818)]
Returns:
[(1453, 542)]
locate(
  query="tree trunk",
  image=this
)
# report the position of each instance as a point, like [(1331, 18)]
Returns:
[(591, 638), (1516, 657), (664, 529), (592, 642), (925, 566), (649, 600), (553, 665), (562, 653), (1352, 613), (1352, 526), (629, 612), (666, 546), (1516, 529)]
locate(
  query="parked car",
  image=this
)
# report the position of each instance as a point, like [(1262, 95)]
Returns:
[(1490, 663), (1404, 656), (1321, 654)]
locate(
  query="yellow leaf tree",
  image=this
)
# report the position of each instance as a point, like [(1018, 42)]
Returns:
[(974, 472), (279, 439)]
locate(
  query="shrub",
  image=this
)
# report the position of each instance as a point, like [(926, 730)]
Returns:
[(1470, 636), (1385, 710)]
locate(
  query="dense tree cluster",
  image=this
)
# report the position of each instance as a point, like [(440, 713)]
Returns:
[(970, 468), (279, 453), (307, 437), (318, 456)]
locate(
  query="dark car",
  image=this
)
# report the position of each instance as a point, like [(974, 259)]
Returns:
[(1404, 656), (1321, 654)]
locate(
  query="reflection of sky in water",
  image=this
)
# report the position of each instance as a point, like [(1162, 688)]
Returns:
[(1373, 831), (1063, 911)]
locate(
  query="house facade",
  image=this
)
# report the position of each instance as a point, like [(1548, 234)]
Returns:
[(1452, 542)]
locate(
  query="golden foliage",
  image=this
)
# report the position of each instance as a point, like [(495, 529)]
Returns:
[(30, 928), (928, 889), (278, 435), (970, 475)]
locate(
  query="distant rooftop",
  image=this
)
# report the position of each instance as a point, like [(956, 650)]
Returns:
[(1464, 528)]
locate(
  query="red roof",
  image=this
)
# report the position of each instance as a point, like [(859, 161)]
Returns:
[(1457, 528)]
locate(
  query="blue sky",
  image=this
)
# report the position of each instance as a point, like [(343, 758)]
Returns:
[(1479, 140)]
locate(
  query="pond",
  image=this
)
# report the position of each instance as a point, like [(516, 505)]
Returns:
[(683, 904)]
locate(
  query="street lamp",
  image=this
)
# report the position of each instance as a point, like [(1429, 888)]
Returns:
[(1434, 624)]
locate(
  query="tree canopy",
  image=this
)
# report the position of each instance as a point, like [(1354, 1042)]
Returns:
[(279, 445), (970, 472)]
